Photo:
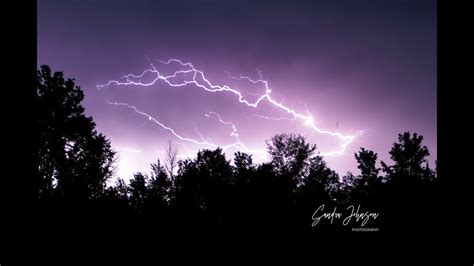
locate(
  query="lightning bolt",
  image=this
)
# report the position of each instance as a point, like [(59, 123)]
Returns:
[(234, 132), (271, 118), (199, 134), (202, 142), (193, 76)]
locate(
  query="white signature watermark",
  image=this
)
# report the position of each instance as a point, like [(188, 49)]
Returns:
[(352, 214)]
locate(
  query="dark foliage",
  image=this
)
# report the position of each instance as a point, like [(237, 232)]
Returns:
[(74, 161)]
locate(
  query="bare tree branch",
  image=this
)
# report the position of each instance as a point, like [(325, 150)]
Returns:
[(171, 160)]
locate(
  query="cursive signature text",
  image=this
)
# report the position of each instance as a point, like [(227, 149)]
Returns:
[(354, 214)]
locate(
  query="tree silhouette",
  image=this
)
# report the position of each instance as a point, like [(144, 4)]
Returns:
[(203, 185), (244, 189), (366, 160), (138, 191), (409, 158), (74, 160), (171, 159), (410, 186), (243, 169), (289, 153), (319, 186), (321, 181), (118, 193), (362, 189), (160, 186)]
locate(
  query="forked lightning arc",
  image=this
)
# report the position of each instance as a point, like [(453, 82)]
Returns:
[(193, 76)]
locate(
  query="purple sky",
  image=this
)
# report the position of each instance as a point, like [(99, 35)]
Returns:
[(371, 65)]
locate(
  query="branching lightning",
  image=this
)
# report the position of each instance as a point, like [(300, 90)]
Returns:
[(189, 75), (202, 142), (234, 132), (272, 118)]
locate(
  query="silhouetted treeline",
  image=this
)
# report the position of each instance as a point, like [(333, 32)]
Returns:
[(210, 190)]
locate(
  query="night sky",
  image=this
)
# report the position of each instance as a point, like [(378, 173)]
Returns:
[(352, 65)]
